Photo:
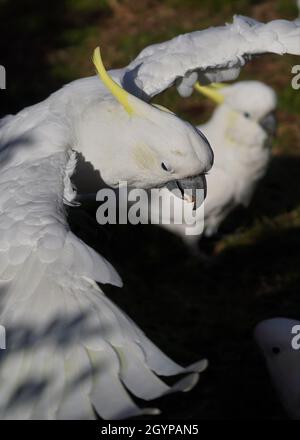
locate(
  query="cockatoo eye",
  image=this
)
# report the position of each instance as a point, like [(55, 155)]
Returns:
[(275, 350), (166, 167), (247, 115)]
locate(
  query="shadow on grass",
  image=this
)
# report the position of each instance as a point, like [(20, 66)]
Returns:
[(279, 191)]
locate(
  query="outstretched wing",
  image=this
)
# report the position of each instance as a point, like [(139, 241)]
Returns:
[(211, 55), (70, 353)]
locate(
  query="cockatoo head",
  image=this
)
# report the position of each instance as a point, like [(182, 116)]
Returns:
[(277, 338), (130, 140), (246, 110)]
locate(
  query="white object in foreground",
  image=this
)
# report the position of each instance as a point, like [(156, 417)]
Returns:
[(279, 341)]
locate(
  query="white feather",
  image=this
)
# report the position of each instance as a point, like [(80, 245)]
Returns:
[(64, 336), (158, 66)]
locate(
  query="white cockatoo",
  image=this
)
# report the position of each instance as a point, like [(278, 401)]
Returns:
[(70, 352), (240, 133), (279, 341)]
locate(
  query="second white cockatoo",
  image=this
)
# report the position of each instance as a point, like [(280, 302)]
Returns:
[(70, 352), (240, 132), (279, 342)]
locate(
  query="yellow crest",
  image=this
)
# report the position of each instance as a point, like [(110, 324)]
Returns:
[(211, 91), (117, 91)]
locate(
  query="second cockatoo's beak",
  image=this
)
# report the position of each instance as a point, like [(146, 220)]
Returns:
[(213, 92), (269, 124)]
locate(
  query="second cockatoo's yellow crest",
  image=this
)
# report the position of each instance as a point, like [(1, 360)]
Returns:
[(218, 85), (211, 91), (117, 91)]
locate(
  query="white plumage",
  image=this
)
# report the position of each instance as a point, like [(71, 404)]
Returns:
[(240, 132), (70, 352), (279, 341)]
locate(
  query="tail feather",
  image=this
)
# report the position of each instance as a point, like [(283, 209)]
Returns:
[(143, 383), (76, 402), (117, 404), (73, 354)]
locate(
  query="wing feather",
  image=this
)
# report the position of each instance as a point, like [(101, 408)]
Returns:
[(71, 353), (214, 54)]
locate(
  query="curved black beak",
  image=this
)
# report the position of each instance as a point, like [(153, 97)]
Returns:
[(192, 189), (269, 124)]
